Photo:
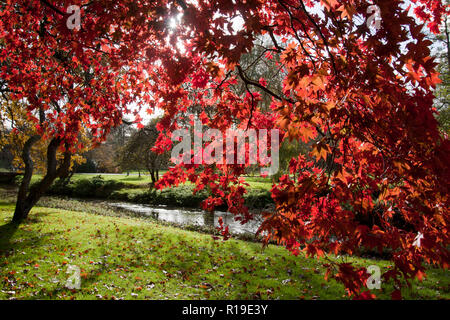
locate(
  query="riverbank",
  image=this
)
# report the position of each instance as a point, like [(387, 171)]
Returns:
[(185, 218), (121, 257), (136, 189)]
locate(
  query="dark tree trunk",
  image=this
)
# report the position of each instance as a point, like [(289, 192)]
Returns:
[(152, 175), (21, 211), (66, 177), (447, 41), (28, 197)]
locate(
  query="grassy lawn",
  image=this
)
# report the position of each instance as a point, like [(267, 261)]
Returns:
[(133, 258), (262, 185)]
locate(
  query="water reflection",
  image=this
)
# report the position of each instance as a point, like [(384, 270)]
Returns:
[(208, 219), (192, 217)]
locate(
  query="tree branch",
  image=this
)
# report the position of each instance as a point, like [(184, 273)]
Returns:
[(51, 6)]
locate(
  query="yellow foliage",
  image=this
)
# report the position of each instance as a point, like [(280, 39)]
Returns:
[(16, 128)]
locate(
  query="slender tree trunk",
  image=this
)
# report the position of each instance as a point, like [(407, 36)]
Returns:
[(66, 177), (21, 211), (447, 41), (28, 197), (152, 175)]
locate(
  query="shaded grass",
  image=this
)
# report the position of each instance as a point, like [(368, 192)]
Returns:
[(134, 259)]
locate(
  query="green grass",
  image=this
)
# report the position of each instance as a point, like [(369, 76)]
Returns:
[(132, 258), (259, 184)]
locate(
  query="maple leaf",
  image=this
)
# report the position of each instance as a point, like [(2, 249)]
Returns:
[(320, 151)]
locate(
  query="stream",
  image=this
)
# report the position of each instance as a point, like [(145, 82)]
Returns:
[(185, 217)]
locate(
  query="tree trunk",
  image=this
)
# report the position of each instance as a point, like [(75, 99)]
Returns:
[(21, 210), (66, 177), (152, 175), (447, 41), (28, 197)]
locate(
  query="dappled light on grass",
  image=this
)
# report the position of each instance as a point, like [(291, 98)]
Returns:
[(125, 258)]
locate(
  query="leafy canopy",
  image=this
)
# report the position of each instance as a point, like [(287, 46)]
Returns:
[(377, 173)]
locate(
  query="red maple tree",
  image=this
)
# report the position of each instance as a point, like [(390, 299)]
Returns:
[(377, 174)]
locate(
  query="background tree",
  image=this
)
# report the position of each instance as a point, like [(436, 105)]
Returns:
[(137, 153), (16, 130), (442, 43), (130, 156)]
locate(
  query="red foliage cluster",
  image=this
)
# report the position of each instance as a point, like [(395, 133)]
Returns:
[(377, 174)]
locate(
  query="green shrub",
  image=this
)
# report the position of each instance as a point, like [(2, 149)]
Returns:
[(18, 180), (95, 187), (60, 188), (180, 196), (130, 194), (258, 198)]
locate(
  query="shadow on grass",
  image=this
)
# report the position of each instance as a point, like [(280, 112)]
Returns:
[(7, 231), (10, 245)]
